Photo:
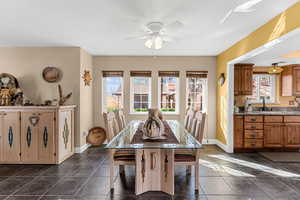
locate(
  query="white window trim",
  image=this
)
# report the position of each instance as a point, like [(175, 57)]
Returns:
[(132, 96), (177, 95), (274, 97), (102, 93), (205, 94)]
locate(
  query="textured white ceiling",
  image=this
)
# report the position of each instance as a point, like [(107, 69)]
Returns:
[(102, 26)]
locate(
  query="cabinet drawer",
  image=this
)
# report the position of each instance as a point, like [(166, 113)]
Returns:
[(273, 119), (292, 119), (254, 126), (253, 118), (253, 143), (254, 134)]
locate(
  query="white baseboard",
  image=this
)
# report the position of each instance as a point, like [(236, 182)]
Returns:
[(218, 143), (208, 141), (82, 148)]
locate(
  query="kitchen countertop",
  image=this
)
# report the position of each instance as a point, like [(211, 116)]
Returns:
[(269, 113)]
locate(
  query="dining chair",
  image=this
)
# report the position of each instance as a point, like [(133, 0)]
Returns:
[(188, 157), (121, 118), (117, 157), (188, 119)]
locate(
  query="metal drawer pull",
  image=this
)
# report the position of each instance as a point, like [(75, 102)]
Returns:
[(253, 127), (253, 119), (253, 135)]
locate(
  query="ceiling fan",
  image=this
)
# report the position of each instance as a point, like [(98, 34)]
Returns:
[(156, 34), (242, 8)]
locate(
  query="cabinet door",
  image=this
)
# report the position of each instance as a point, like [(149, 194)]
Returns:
[(65, 134), (287, 82), (29, 136), (273, 135), (292, 135), (246, 82), (296, 80), (46, 145), (237, 80), (238, 132), (11, 137)]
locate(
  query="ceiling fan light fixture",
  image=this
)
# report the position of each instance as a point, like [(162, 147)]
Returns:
[(149, 43), (158, 42)]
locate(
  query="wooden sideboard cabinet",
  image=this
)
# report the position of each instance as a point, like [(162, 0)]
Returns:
[(243, 74), (290, 80), (36, 135)]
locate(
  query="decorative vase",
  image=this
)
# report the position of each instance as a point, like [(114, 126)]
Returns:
[(153, 127)]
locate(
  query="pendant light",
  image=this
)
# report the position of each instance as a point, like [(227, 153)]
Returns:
[(275, 69)]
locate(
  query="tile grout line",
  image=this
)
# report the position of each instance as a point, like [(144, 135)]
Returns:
[(89, 178), (69, 176), (22, 187)]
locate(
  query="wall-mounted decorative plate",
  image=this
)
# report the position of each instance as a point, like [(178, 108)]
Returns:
[(51, 74)]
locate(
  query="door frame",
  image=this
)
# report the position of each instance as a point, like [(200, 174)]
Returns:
[(229, 147)]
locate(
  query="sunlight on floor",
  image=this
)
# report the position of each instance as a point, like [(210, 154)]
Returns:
[(260, 167), (225, 169)]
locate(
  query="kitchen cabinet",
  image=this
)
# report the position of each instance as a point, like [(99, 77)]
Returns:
[(237, 80), (243, 74), (296, 80), (273, 135), (266, 131), (36, 135), (292, 135), (290, 80), (238, 132), (10, 136)]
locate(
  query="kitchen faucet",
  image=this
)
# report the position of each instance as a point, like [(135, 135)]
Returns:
[(264, 108)]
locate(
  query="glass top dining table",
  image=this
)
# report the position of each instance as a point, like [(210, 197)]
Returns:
[(183, 139)]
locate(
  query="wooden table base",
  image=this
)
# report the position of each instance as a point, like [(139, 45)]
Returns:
[(154, 170)]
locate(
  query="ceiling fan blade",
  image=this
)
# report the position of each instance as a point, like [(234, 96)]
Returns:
[(174, 26), (166, 38), (226, 17), (247, 5), (140, 37)]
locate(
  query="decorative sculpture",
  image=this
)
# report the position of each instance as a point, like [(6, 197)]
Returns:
[(153, 127), (10, 92), (87, 78), (63, 99)]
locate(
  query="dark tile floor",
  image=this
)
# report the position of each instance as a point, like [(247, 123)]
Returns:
[(86, 176)]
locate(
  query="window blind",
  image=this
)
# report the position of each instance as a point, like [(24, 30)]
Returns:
[(112, 73), (196, 74), (140, 73), (168, 73)]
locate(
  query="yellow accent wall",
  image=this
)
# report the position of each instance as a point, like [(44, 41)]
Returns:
[(280, 25)]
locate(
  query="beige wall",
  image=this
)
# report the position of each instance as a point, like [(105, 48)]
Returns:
[(27, 64), (182, 64), (86, 97)]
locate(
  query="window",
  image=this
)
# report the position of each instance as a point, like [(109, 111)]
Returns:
[(264, 85), (140, 91), (168, 92), (112, 91), (197, 92)]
